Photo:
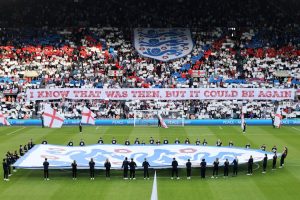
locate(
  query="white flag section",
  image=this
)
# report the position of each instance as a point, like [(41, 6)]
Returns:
[(278, 118), (3, 120), (88, 117), (51, 118), (154, 195), (162, 122), (158, 156)]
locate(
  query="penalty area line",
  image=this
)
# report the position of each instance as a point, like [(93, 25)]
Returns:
[(296, 128), (16, 131), (220, 128)]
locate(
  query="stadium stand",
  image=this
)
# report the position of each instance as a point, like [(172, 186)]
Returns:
[(101, 55)]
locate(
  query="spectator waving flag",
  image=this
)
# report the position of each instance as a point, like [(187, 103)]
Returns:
[(52, 118), (162, 122), (3, 120), (278, 118), (88, 117)]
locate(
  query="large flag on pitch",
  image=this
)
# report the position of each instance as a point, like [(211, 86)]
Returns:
[(162, 122), (52, 118), (87, 116), (278, 117), (3, 120)]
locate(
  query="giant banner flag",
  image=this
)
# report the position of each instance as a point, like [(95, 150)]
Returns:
[(87, 116), (160, 93), (51, 118), (158, 156), (163, 44), (3, 120)]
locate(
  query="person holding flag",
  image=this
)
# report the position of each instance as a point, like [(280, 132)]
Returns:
[(3, 120), (243, 123), (80, 127), (158, 122), (278, 118), (161, 122)]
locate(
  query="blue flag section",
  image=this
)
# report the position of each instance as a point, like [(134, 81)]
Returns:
[(163, 44), (158, 156)]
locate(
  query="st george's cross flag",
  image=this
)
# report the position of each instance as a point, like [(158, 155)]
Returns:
[(52, 118), (162, 122), (87, 116), (278, 118), (3, 120)]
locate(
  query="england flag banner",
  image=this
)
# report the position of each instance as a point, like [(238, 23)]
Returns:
[(278, 118), (162, 122), (158, 156), (52, 118), (163, 44), (88, 117), (3, 120)]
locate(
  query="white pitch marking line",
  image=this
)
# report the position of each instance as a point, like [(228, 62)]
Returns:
[(256, 167), (154, 195), (16, 131), (97, 127), (296, 128), (220, 127)]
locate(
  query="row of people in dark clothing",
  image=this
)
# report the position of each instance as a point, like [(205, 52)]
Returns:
[(11, 158), (126, 166), (131, 167), (226, 165)]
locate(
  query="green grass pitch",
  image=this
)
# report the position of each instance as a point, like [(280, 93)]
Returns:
[(279, 184)]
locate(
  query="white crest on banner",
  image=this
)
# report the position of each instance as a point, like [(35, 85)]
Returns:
[(163, 44)]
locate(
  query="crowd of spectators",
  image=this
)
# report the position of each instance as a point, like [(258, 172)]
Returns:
[(247, 53)]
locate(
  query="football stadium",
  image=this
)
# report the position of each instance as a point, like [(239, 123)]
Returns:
[(138, 99)]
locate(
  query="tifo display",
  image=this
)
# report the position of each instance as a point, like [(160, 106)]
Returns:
[(153, 156), (158, 156)]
